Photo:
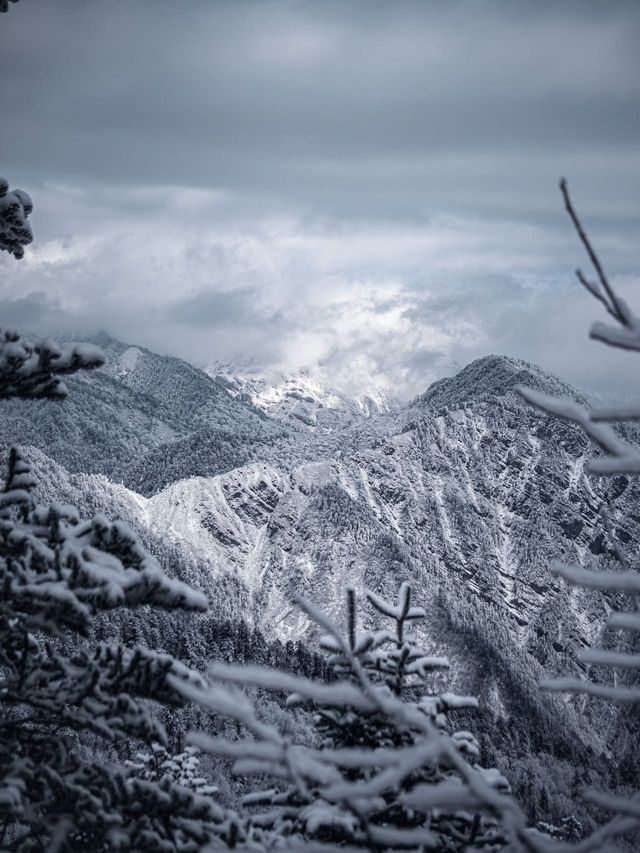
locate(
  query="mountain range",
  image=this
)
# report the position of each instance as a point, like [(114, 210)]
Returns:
[(255, 492)]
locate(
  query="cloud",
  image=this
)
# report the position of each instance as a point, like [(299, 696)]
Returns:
[(350, 106), (392, 305), (214, 309), (368, 188), (32, 311)]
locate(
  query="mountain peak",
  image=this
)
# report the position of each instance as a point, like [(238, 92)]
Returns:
[(304, 400), (492, 375)]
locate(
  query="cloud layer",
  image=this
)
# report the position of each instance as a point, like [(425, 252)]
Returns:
[(368, 187)]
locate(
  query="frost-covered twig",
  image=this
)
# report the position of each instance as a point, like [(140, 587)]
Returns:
[(620, 457)]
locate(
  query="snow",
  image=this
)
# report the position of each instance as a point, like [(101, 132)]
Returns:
[(15, 207), (505, 552), (403, 439), (304, 400), (440, 510), (315, 475), (628, 581), (33, 370), (128, 361), (445, 524)]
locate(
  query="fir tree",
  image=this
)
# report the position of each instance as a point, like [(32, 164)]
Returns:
[(58, 696), (65, 706), (387, 773)]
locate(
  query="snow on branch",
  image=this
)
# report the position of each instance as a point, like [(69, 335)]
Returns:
[(602, 691), (619, 457), (34, 370), (624, 581), (629, 621), (629, 807), (386, 773), (57, 572), (623, 458), (301, 688), (604, 657), (15, 207)]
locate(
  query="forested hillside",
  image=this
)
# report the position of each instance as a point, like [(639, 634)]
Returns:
[(466, 492)]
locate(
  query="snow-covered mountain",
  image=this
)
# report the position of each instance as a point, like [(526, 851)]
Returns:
[(305, 400), (120, 420), (466, 492)]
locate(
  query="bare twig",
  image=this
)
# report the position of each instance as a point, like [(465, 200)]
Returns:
[(613, 306)]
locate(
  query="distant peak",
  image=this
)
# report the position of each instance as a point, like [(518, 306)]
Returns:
[(492, 375), (305, 399)]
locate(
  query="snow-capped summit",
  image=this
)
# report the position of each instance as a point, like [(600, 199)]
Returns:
[(304, 400)]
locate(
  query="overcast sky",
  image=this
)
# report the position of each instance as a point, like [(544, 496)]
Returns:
[(365, 187)]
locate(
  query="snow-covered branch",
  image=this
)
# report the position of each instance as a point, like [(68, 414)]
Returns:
[(622, 458), (56, 573), (33, 371), (619, 457), (15, 207), (386, 774)]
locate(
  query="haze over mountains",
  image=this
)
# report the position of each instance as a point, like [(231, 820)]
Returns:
[(256, 492)]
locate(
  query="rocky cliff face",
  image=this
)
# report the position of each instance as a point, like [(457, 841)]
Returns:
[(466, 492)]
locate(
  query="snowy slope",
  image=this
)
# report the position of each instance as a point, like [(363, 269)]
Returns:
[(466, 492), (117, 418), (466, 489)]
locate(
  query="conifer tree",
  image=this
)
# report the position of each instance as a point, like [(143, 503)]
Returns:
[(181, 768), (65, 705), (58, 788), (387, 773)]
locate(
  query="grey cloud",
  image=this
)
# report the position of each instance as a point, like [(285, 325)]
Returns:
[(215, 309), (340, 107), (369, 186), (32, 311)]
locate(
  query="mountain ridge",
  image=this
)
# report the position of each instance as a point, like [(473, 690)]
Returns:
[(466, 492)]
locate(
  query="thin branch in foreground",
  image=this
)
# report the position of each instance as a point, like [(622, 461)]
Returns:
[(613, 306)]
